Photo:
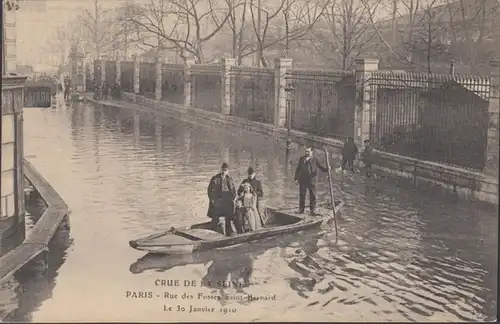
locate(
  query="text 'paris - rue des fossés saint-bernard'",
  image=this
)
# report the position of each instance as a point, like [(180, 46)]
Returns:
[(149, 294)]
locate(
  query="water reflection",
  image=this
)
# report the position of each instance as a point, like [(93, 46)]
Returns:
[(232, 266), (33, 284), (401, 255)]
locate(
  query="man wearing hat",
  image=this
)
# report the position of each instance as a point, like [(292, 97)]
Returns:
[(222, 193), (256, 186), (305, 177)]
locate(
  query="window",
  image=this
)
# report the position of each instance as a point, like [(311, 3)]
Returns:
[(7, 182), (8, 206), (7, 156), (8, 128)]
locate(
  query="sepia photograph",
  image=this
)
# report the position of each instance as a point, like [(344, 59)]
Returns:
[(249, 161)]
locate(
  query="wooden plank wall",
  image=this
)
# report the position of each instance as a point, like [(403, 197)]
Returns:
[(38, 239)]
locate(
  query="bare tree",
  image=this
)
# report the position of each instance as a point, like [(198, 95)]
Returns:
[(429, 39), (402, 29), (462, 29), (125, 32), (185, 25), (299, 18), (237, 23), (344, 32), (473, 29), (98, 24), (63, 38)]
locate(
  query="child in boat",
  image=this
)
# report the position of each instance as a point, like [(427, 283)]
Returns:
[(246, 208)]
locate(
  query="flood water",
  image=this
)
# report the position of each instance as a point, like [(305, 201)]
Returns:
[(402, 255)]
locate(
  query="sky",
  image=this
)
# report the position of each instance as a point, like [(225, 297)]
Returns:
[(37, 21)]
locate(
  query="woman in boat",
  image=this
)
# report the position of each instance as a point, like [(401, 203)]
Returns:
[(246, 208)]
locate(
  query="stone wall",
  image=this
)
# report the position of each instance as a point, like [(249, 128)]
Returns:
[(465, 184)]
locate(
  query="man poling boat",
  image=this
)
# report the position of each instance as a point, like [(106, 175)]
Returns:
[(240, 208)]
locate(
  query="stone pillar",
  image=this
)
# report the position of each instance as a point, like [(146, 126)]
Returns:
[(226, 85), (493, 111), (159, 79), (187, 82), (84, 73), (118, 73), (136, 74), (281, 65), (364, 107)]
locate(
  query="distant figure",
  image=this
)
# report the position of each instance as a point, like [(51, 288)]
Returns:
[(256, 186), (367, 158), (222, 193), (67, 88), (349, 151), (105, 90), (305, 177), (246, 209)]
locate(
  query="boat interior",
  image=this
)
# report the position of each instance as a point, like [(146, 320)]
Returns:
[(203, 232)]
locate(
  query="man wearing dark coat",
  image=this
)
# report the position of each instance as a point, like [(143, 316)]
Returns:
[(222, 193), (305, 177), (105, 90), (349, 151)]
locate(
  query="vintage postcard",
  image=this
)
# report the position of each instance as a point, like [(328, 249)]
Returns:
[(249, 161)]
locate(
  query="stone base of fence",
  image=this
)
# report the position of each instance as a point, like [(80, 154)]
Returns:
[(463, 183)]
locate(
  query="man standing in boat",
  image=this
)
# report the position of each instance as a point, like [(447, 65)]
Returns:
[(256, 186), (305, 177), (222, 193)]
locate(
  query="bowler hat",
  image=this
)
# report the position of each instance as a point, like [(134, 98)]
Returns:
[(224, 166), (250, 170)]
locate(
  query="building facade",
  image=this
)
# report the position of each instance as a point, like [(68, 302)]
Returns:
[(12, 212)]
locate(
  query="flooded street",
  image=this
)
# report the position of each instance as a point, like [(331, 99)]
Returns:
[(402, 255)]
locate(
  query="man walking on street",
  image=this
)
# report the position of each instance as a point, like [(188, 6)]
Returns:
[(367, 156), (349, 151), (305, 177)]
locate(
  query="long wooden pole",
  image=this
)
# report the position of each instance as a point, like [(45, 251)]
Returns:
[(330, 182)]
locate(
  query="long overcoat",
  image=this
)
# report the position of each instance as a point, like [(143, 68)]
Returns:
[(219, 204)]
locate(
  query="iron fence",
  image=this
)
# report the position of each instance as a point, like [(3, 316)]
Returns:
[(127, 76), (111, 73), (172, 89), (252, 93), (323, 102), (206, 86), (147, 79), (440, 118), (97, 72), (88, 78)]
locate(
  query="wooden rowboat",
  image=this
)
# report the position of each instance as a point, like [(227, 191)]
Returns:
[(200, 237)]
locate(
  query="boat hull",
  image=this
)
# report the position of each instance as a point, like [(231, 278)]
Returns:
[(200, 237)]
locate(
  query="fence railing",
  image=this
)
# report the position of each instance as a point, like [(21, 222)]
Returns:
[(206, 86), (127, 76), (172, 89), (252, 93), (111, 73), (441, 118), (324, 102), (147, 79)]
